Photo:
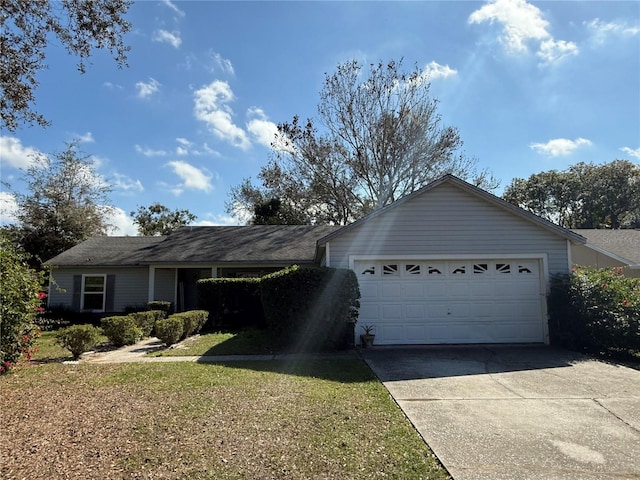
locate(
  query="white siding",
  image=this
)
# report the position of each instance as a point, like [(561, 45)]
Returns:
[(449, 221), (131, 285)]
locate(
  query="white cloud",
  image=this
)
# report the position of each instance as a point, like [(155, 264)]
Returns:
[(8, 208), (223, 64), (122, 224), (164, 36), (213, 220), (522, 24), (174, 7), (126, 184), (601, 31), (434, 70), (148, 152), (552, 51), (147, 89), (192, 177), (261, 128), (112, 86), (212, 107), (86, 138), (632, 152), (182, 151), (14, 154), (184, 142), (559, 147)]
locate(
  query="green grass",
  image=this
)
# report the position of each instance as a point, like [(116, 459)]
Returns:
[(251, 341), (240, 420), (49, 351)]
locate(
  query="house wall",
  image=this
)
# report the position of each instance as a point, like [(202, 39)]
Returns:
[(131, 285), (582, 255), (449, 221)]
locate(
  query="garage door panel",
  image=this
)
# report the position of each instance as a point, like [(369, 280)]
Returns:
[(391, 311), (452, 301)]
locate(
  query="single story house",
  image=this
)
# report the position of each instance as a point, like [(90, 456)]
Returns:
[(609, 249), (449, 263)]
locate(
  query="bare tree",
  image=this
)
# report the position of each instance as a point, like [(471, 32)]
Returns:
[(378, 137)]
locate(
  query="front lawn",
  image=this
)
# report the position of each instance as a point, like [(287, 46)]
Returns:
[(243, 420), (250, 341)]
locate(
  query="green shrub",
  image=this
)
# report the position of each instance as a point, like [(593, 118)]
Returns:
[(169, 330), (121, 330), (231, 302), (595, 309), (78, 338), (147, 319), (192, 321), (313, 308), (20, 298), (166, 307)]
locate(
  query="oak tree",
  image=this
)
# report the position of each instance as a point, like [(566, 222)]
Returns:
[(28, 27), (156, 219)]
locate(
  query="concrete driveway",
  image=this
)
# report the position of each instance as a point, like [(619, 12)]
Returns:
[(517, 413)]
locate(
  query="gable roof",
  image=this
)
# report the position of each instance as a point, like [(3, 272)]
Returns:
[(107, 251), (478, 192), (623, 245), (256, 244)]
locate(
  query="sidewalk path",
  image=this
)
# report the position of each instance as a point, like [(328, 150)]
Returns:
[(138, 354)]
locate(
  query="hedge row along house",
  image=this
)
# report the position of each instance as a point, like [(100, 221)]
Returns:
[(449, 263)]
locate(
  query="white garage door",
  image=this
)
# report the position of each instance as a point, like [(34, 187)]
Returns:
[(451, 301)]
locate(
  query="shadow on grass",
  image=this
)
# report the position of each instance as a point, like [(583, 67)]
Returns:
[(249, 341)]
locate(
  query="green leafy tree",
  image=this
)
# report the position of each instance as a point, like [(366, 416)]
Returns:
[(28, 27), (274, 212), (20, 298), (156, 219), (583, 196), (378, 137), (67, 202)]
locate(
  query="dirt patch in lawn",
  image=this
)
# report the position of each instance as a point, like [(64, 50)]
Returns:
[(322, 419)]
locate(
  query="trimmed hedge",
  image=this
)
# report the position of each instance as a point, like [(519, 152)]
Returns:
[(192, 321), (595, 309), (147, 319), (121, 330), (169, 330), (166, 307), (313, 308), (78, 339), (231, 302)]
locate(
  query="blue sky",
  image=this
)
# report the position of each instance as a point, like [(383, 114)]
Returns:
[(531, 86)]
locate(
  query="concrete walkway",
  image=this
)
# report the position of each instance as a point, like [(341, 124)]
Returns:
[(138, 354)]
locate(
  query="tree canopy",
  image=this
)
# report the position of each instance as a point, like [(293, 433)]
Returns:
[(583, 196), (156, 219), (66, 203), (378, 136), (28, 27)]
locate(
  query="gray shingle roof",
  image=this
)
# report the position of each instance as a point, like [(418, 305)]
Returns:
[(107, 251), (623, 243), (256, 244)]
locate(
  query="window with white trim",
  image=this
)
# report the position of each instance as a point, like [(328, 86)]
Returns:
[(94, 289)]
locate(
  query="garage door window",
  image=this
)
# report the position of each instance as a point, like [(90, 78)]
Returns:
[(390, 269), (412, 269), (503, 267), (480, 268)]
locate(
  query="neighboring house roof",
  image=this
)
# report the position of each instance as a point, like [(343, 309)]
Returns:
[(257, 244), (448, 178), (624, 245)]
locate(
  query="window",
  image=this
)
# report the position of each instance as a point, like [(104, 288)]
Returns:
[(93, 292), (480, 268), (412, 269), (523, 269), (503, 267), (370, 270), (431, 270), (462, 269), (390, 269)]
